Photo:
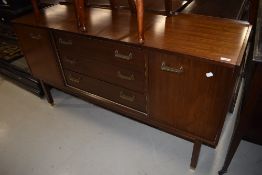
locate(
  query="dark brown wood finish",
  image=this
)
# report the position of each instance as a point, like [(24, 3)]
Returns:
[(113, 4), (180, 80), (132, 5), (117, 94), (169, 7), (35, 8), (76, 47), (181, 33), (195, 154), (39, 54), (188, 94), (140, 20), (47, 91)]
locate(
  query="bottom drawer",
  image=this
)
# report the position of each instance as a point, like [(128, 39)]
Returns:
[(114, 93)]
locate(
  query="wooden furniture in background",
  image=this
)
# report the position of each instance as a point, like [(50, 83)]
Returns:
[(248, 124), (180, 80)]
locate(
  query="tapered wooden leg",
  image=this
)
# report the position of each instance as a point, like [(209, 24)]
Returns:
[(47, 91), (76, 5), (195, 154), (140, 20), (81, 7), (80, 15)]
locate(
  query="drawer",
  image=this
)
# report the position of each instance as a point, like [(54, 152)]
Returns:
[(82, 47), (127, 78), (114, 93)]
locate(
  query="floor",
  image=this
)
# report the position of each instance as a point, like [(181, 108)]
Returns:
[(75, 138)]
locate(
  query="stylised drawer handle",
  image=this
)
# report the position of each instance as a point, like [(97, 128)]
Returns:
[(125, 77), (127, 97), (35, 36), (64, 42), (124, 57), (166, 68), (74, 79), (70, 60)]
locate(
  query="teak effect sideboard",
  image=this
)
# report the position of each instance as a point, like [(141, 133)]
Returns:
[(180, 80)]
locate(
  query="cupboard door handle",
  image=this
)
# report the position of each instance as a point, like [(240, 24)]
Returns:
[(64, 42), (69, 60), (35, 36), (74, 80), (166, 68), (122, 56), (125, 77), (127, 97)]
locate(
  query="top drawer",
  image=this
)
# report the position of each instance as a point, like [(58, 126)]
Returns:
[(82, 47)]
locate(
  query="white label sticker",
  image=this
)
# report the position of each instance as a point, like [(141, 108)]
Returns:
[(225, 59), (209, 74)]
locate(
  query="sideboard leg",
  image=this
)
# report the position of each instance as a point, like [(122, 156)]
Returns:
[(195, 154), (47, 91)]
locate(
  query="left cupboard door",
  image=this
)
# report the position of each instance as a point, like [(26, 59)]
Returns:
[(40, 56)]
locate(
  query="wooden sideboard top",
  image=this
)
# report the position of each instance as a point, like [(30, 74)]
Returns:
[(200, 36)]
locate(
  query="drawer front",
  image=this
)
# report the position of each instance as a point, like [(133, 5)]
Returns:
[(72, 45), (114, 93), (39, 53), (127, 78)]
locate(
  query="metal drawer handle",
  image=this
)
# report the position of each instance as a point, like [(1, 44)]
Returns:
[(35, 36), (73, 79), (127, 97), (69, 60), (124, 57), (166, 68), (125, 77), (64, 42)]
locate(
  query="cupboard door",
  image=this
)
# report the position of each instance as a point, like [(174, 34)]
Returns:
[(189, 95), (37, 48)]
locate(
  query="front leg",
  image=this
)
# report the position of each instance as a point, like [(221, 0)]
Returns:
[(195, 154), (47, 91)]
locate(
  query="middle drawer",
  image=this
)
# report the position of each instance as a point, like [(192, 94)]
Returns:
[(127, 78), (114, 93)]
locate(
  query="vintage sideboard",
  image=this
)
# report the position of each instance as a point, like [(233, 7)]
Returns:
[(180, 79)]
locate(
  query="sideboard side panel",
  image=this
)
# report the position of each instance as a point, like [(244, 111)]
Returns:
[(39, 54)]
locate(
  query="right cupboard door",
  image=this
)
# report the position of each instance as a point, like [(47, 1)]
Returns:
[(189, 95)]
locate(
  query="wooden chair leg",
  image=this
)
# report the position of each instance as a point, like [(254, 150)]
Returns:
[(132, 6), (195, 154), (47, 91), (169, 7), (81, 7), (140, 20), (113, 4), (35, 8)]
